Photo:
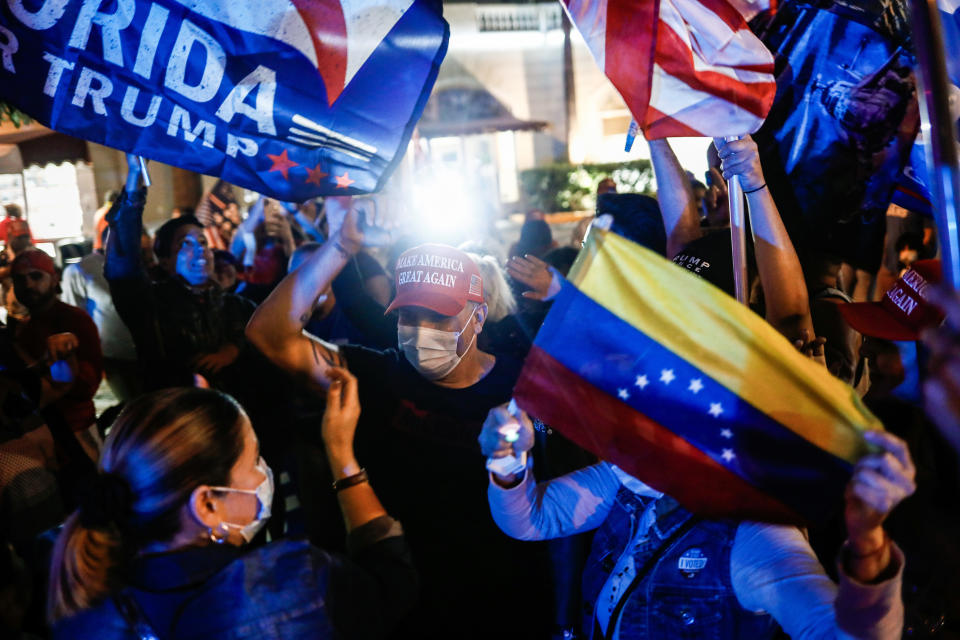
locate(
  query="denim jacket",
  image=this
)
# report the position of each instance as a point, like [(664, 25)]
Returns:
[(682, 588), (707, 581), (286, 589)]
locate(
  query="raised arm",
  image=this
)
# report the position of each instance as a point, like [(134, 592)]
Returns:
[(773, 568), (680, 216), (784, 288), (525, 510), (381, 576), (276, 328), (126, 226)]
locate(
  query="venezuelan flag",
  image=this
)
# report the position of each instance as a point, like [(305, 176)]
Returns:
[(654, 369)]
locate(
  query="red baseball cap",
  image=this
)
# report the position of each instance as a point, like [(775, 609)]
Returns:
[(437, 277), (904, 311), (33, 259)]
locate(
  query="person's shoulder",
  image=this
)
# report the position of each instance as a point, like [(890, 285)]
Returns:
[(74, 315), (365, 362), (358, 351), (102, 622), (288, 564), (89, 262), (506, 369), (239, 301), (281, 551)]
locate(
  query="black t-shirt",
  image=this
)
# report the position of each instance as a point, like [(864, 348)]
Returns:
[(710, 258), (418, 442)]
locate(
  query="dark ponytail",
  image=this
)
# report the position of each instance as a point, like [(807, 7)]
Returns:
[(161, 447)]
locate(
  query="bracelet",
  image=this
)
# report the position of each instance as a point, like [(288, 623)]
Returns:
[(350, 481), (339, 247), (763, 186)]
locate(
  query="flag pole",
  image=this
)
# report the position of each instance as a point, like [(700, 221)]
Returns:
[(938, 132), (738, 241), (143, 171)]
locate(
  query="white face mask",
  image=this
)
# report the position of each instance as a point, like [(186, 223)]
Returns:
[(432, 352), (264, 493)]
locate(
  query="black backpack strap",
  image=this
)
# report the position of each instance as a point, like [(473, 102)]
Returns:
[(136, 621)]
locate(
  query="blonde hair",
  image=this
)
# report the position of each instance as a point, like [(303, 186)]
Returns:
[(496, 292), (161, 447)]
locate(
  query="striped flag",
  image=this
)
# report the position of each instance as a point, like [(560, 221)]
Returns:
[(684, 67), (655, 370)]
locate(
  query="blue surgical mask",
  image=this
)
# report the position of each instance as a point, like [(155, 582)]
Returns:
[(264, 493)]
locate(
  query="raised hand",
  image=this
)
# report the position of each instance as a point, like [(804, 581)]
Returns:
[(812, 349), (61, 346), (741, 158), (340, 417), (534, 273), (494, 444), (880, 482)]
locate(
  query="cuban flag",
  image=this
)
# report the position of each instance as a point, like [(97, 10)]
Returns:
[(652, 368), (684, 67), (290, 98)]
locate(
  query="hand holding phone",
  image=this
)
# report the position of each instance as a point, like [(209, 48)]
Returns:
[(506, 429)]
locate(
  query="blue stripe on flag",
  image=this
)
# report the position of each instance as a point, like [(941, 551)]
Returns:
[(625, 363)]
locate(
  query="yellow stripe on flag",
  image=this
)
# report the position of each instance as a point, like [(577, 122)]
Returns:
[(724, 339)]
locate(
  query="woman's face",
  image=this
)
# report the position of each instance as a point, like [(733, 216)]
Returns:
[(241, 508)]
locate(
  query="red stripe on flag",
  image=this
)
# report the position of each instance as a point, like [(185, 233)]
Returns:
[(630, 48), (677, 60), (654, 454), (725, 11), (660, 125), (328, 30), (912, 193)]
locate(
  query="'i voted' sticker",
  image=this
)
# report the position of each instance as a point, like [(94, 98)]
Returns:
[(691, 562)]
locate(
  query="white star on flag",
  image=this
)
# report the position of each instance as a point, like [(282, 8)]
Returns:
[(715, 409), (728, 455), (726, 433), (666, 376), (642, 381), (696, 385), (623, 394)]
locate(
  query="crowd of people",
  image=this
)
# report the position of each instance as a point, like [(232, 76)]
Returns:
[(307, 405)]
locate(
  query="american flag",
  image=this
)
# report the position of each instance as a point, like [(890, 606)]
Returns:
[(684, 67)]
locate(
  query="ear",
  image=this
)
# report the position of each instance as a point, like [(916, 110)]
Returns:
[(205, 507), (481, 315)]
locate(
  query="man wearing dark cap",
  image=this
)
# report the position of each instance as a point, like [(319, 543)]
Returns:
[(56, 332), (423, 407)]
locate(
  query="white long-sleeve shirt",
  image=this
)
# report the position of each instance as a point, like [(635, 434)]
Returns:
[(772, 567)]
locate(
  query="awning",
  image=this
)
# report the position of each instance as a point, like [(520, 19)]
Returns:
[(473, 127), (10, 161), (464, 111), (39, 145)]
